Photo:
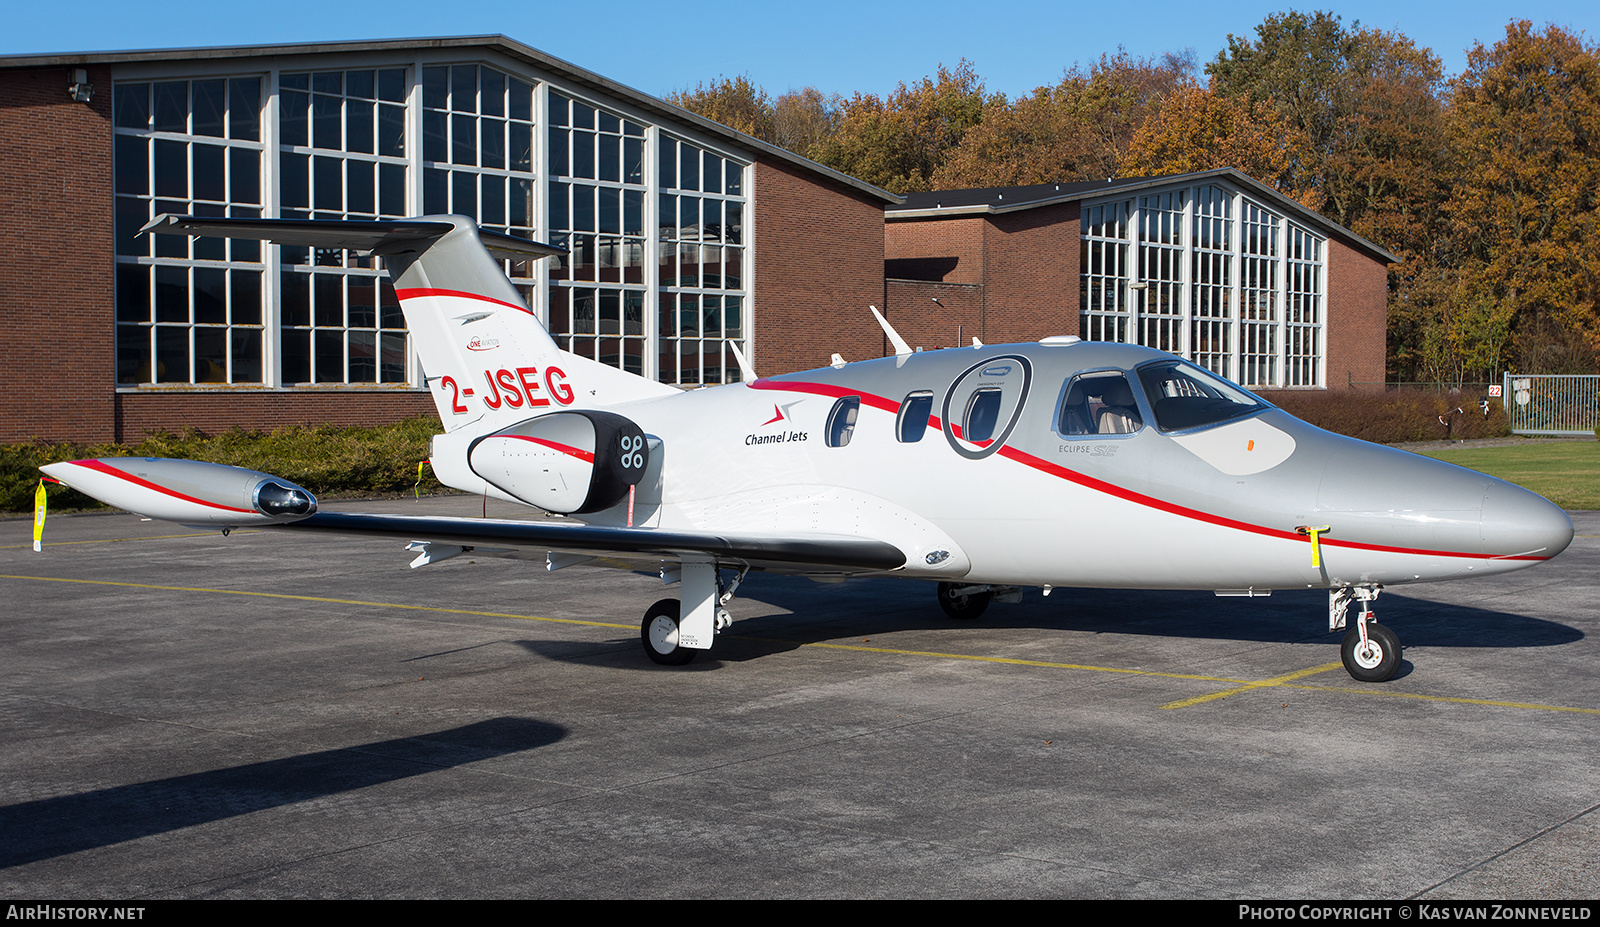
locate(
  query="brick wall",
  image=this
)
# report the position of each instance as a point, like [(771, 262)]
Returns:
[(959, 238), (56, 265), (1014, 276), (819, 265), (950, 323), (1031, 262), (1358, 306)]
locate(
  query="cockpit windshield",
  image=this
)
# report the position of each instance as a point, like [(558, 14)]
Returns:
[(1184, 396)]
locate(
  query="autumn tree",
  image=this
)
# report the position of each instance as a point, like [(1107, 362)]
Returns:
[(1371, 106), (1078, 129), (1367, 101), (735, 102), (802, 119), (1198, 130), (1524, 211), (900, 141)]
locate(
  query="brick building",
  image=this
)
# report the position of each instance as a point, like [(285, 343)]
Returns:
[(1213, 266), (681, 234)]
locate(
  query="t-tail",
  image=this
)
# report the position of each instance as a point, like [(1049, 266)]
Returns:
[(486, 359)]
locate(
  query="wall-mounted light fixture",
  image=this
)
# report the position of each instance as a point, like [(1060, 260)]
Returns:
[(78, 86)]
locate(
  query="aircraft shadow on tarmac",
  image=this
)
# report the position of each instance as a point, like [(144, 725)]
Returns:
[(784, 613), (52, 827)]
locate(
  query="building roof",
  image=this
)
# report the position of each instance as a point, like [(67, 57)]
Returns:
[(498, 43), (998, 200)]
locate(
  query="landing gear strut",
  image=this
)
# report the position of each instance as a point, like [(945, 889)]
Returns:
[(1370, 651)]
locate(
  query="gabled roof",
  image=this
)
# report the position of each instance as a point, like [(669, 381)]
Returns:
[(497, 43), (998, 200)]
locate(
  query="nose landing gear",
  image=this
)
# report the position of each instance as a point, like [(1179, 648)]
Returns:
[(1370, 651)]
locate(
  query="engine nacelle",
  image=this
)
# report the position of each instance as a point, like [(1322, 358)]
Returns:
[(188, 491), (568, 462)]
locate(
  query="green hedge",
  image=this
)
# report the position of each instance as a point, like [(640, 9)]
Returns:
[(1394, 416), (322, 458)]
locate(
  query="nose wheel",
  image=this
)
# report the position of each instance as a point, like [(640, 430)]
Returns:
[(1374, 659)]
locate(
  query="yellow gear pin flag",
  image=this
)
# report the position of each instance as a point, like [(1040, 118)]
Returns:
[(1316, 544), (417, 489), (38, 515)]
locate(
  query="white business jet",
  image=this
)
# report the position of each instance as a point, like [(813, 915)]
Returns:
[(983, 469)]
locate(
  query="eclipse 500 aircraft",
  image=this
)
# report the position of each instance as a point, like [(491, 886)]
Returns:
[(983, 469)]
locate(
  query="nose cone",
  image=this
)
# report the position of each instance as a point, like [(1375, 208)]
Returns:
[(1517, 522), (1415, 519)]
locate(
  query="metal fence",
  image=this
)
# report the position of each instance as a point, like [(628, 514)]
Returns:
[(1550, 404)]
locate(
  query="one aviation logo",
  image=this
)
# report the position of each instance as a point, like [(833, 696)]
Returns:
[(780, 413), (480, 343)]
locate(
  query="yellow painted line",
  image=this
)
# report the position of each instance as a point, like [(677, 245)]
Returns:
[(1239, 685), (312, 598), (1262, 684), (152, 537)]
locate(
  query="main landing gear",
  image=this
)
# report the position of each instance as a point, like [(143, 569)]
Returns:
[(967, 601), (1370, 651), (964, 601), (667, 635)]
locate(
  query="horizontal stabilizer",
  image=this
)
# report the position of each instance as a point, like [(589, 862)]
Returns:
[(389, 236)]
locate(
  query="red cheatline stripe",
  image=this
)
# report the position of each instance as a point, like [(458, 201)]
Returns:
[(578, 452), (420, 291), (828, 389), (113, 471), (1112, 489)]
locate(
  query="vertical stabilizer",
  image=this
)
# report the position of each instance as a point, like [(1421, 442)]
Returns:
[(484, 354)]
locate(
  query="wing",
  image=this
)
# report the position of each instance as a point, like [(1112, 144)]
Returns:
[(212, 495), (814, 553)]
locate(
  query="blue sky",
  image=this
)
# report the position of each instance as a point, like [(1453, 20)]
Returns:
[(839, 47)]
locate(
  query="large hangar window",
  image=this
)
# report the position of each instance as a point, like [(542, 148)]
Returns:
[(188, 311), (342, 155), (597, 196), (700, 213), (1211, 275), (653, 280)]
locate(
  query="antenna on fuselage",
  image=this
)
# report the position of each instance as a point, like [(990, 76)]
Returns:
[(900, 346), (746, 372)]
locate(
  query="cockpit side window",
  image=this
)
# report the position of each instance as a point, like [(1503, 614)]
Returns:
[(1184, 396), (914, 413), (1099, 404), (842, 421)]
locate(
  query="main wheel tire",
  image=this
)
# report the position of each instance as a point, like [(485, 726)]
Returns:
[(963, 607), (1378, 661), (659, 632)]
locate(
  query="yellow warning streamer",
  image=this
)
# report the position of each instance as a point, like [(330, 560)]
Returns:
[(38, 516), (417, 489), (1316, 545)]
